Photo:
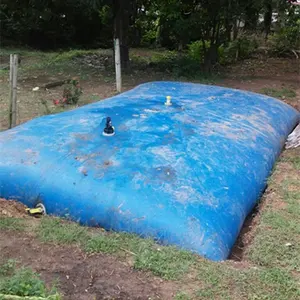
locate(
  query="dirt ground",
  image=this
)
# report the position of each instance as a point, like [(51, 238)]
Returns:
[(12, 209), (253, 74), (257, 74), (102, 276), (80, 276)]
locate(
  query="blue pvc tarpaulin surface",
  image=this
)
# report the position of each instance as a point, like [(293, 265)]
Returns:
[(186, 174)]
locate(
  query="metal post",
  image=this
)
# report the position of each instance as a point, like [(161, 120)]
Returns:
[(118, 65)]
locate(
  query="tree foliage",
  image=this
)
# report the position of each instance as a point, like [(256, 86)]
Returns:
[(175, 24)]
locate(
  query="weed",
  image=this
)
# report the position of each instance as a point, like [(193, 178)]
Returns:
[(61, 232), (72, 92), (22, 282), (279, 93), (11, 223), (182, 296), (8, 268)]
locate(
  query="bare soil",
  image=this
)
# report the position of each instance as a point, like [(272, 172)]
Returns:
[(12, 209), (80, 276)]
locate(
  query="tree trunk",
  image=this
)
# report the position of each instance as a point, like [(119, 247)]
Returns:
[(211, 58), (267, 17), (251, 16), (121, 28)]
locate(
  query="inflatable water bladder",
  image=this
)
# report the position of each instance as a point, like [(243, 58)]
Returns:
[(179, 162)]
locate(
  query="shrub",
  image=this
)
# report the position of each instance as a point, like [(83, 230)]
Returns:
[(23, 282), (240, 48), (285, 40), (71, 94), (196, 50)]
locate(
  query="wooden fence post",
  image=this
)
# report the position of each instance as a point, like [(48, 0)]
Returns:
[(13, 79), (118, 65), (11, 60)]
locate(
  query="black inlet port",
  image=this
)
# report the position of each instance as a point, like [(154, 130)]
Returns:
[(109, 129)]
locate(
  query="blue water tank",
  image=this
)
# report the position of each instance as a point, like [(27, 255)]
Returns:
[(185, 174)]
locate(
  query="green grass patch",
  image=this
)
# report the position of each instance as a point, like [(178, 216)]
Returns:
[(23, 52), (277, 241), (295, 160), (214, 278), (71, 54), (222, 281), (23, 282), (59, 231), (279, 93), (106, 243), (166, 262), (182, 296), (176, 65), (4, 72), (272, 283), (11, 223), (52, 63)]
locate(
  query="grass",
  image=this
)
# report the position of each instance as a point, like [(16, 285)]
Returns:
[(182, 296), (176, 65), (295, 160), (59, 231), (23, 282), (166, 262), (223, 281), (11, 223), (167, 63), (277, 241), (282, 93), (52, 63), (71, 54), (20, 51)]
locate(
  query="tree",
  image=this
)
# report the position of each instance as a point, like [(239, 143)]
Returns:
[(268, 10), (121, 12)]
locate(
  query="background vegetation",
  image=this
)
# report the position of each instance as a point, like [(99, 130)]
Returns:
[(205, 32)]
